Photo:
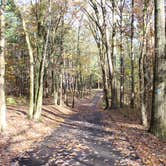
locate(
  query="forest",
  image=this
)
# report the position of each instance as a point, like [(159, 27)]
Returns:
[(82, 82)]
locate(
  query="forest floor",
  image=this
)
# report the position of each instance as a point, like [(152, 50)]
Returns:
[(84, 136)]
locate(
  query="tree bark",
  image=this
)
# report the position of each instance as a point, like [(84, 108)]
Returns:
[(39, 99), (73, 90), (158, 119), (114, 96), (55, 88), (61, 90), (62, 61), (3, 122), (122, 68), (132, 100), (105, 91), (143, 70), (31, 74)]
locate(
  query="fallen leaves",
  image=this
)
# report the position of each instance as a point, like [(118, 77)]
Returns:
[(22, 134), (149, 148), (90, 136)]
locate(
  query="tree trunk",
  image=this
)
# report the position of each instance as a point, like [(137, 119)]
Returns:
[(114, 96), (31, 74), (98, 84), (158, 119), (2, 68), (55, 88), (121, 57), (39, 98), (66, 91), (61, 90), (142, 72), (73, 91), (105, 91), (132, 100)]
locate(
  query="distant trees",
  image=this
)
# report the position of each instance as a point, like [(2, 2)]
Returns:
[(158, 120), (137, 69), (2, 67), (100, 29), (107, 24), (97, 26)]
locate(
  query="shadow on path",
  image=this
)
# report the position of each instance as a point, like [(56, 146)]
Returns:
[(80, 141)]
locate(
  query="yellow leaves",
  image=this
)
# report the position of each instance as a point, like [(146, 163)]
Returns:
[(68, 56)]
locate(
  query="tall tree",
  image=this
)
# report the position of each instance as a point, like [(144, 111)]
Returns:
[(114, 96), (31, 73), (158, 119), (142, 69), (39, 99), (122, 67), (62, 59), (132, 57), (2, 67)]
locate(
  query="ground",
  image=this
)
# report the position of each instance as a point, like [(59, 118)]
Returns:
[(84, 136)]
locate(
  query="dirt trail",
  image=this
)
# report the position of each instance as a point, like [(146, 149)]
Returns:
[(81, 141)]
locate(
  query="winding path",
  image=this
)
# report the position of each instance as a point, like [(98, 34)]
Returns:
[(80, 141)]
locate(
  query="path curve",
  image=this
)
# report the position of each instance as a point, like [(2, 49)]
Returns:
[(80, 141)]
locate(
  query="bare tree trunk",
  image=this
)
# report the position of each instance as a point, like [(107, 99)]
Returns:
[(98, 84), (31, 61), (3, 122), (132, 100), (31, 100), (108, 55), (62, 61), (39, 99), (55, 88), (40, 89), (142, 72), (67, 90), (73, 91), (122, 68), (106, 43), (114, 96), (55, 97), (158, 119), (61, 90), (79, 73), (105, 88)]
